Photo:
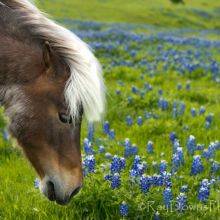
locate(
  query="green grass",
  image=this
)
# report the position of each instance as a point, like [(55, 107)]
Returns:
[(18, 198), (158, 12)]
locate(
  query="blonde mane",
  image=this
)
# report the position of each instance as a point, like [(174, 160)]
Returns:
[(85, 85)]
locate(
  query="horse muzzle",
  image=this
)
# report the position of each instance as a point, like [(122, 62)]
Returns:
[(55, 190)]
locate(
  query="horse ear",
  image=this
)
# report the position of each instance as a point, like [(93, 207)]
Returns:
[(47, 54)]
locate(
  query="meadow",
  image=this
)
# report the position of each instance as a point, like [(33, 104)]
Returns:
[(156, 153)]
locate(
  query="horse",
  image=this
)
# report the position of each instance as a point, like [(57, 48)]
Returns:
[(49, 80)]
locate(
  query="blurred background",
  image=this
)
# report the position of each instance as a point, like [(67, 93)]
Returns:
[(165, 13)]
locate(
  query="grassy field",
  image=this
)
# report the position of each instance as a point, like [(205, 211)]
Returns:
[(194, 13), (160, 72)]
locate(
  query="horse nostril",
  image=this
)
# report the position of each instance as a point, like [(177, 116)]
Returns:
[(75, 192), (51, 191)]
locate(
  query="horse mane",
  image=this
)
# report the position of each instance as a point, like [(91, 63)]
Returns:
[(85, 85)]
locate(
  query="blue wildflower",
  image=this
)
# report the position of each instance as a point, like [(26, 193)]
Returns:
[(197, 166), (91, 131), (181, 202), (145, 183), (163, 166), (204, 191), (111, 134), (106, 127), (87, 146), (191, 144), (215, 167), (184, 189), (167, 196), (129, 120), (150, 147), (101, 149), (193, 112), (173, 136), (157, 216), (179, 86), (89, 163), (139, 120), (108, 155), (123, 209), (117, 164), (202, 110), (115, 181)]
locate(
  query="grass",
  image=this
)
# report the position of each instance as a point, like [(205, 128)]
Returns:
[(194, 13), (19, 199)]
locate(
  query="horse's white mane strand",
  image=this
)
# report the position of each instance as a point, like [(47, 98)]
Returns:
[(85, 85)]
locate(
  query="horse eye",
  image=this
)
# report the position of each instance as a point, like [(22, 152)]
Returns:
[(65, 118)]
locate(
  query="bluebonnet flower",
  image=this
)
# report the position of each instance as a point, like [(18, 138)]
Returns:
[(167, 196), (89, 163), (130, 99), (130, 149), (87, 146), (129, 120), (179, 152), (179, 86), (134, 89), (163, 166), (118, 92), (166, 176), (106, 127), (176, 144), (181, 202), (188, 86), (36, 183), (173, 136), (108, 177), (150, 147), (115, 181), (210, 152), (117, 164), (184, 189), (175, 112), (137, 160), (200, 147), (145, 183), (176, 162), (157, 216), (157, 180), (160, 92), (101, 149), (123, 209), (193, 112), (215, 167), (163, 104), (148, 86), (204, 191), (182, 108), (90, 131), (111, 134), (208, 120), (191, 144), (202, 110), (197, 166), (139, 120), (108, 155)]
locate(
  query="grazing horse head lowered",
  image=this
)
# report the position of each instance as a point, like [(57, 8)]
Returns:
[(48, 79)]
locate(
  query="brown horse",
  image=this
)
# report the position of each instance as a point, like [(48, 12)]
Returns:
[(48, 79)]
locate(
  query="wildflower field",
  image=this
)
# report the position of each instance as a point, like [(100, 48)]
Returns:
[(156, 154)]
